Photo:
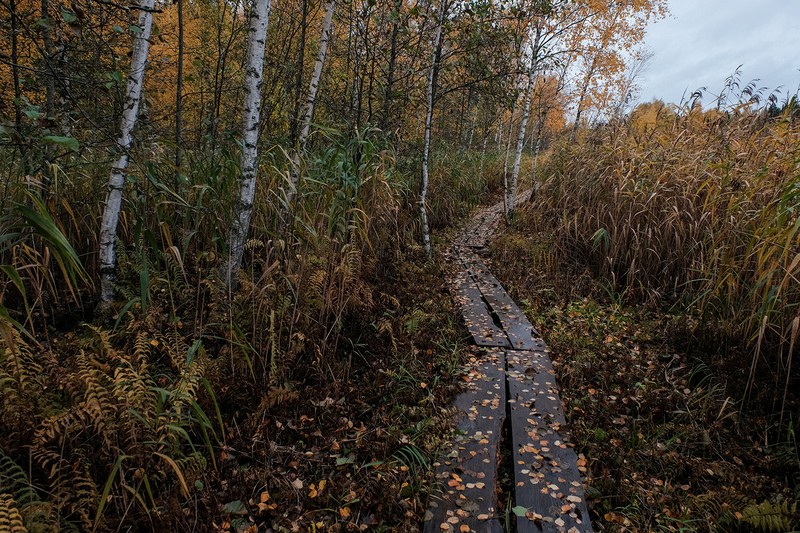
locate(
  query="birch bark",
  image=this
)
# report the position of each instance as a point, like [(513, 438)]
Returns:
[(133, 97), (511, 191), (311, 99), (426, 149), (253, 80), (330, 7)]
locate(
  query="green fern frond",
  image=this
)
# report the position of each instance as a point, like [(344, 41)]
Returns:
[(190, 381), (14, 481), (770, 516), (192, 465)]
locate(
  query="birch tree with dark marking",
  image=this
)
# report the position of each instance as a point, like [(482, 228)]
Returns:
[(426, 148), (313, 85), (311, 98), (533, 69), (253, 80), (130, 112)]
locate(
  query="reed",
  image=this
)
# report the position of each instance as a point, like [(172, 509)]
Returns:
[(694, 209)]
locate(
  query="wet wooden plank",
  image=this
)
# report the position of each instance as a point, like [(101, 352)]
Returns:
[(467, 474), (520, 332), (478, 229), (476, 313), (547, 478)]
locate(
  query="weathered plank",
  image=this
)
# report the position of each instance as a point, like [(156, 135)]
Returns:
[(520, 332), (468, 472), (474, 309), (547, 477), (547, 481)]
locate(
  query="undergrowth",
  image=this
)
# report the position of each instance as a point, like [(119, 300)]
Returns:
[(669, 448), (309, 398), (659, 261)]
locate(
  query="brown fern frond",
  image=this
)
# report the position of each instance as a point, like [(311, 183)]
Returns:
[(19, 363), (316, 282), (10, 517)]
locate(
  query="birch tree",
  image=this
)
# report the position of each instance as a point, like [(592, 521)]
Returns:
[(330, 6), (533, 69), (311, 99), (253, 80), (426, 148), (133, 97)]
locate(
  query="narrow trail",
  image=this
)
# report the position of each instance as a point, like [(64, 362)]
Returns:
[(509, 416)]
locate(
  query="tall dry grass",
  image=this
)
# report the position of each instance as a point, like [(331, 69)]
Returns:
[(695, 208)]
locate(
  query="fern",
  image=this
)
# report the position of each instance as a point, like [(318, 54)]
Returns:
[(73, 491), (316, 282), (10, 517), (19, 363), (276, 396), (14, 481), (185, 391), (770, 516)]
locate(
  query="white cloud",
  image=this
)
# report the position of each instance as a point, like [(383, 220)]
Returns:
[(704, 41)]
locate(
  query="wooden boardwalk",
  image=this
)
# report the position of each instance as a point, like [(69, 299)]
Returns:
[(511, 389)]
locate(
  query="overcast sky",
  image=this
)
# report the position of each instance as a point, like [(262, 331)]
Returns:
[(703, 41)]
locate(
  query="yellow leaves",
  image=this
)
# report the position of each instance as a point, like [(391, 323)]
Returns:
[(316, 490), (264, 504)]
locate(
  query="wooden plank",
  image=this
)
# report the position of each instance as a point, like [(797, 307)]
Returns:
[(467, 474), (520, 332), (547, 480), (476, 313)]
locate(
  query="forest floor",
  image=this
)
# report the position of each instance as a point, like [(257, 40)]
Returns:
[(650, 405), (348, 447), (668, 447)]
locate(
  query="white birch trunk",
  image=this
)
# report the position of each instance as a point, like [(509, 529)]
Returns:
[(523, 125), (133, 97), (511, 190), (426, 148), (253, 80), (330, 6), (508, 151), (311, 99)]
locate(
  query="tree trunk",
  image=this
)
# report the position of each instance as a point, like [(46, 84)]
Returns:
[(49, 77), (508, 152), (426, 149), (50, 92), (523, 124), (388, 93), (16, 83), (330, 6), (254, 70), (355, 102), (298, 79), (311, 99), (584, 90), (133, 97), (179, 98)]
